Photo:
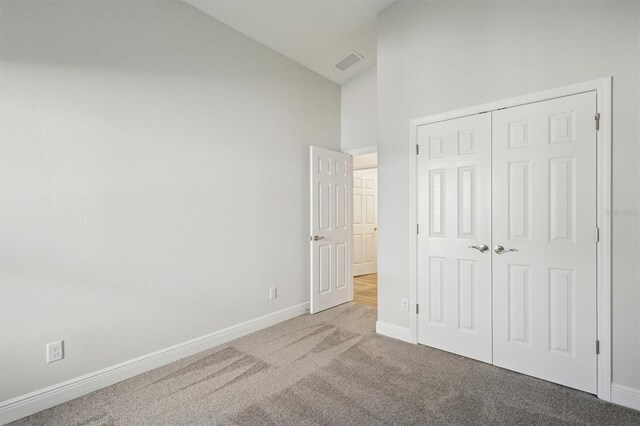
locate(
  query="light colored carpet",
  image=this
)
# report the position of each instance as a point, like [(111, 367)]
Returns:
[(329, 369)]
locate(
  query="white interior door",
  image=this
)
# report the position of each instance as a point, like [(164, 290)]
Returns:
[(454, 214), (544, 206), (331, 179), (365, 221)]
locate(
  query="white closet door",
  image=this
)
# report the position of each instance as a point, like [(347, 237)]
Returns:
[(365, 222), (454, 213), (544, 206)]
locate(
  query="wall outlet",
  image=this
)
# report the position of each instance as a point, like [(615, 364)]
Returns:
[(404, 304), (273, 293), (55, 351)]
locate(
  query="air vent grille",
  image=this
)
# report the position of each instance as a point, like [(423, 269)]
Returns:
[(348, 61)]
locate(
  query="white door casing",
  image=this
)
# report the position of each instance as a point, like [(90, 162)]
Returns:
[(454, 207), (544, 206), (331, 228), (365, 221), (601, 91)]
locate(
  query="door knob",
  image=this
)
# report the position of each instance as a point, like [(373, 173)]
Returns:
[(483, 248), (316, 238), (375, 229), (500, 250)]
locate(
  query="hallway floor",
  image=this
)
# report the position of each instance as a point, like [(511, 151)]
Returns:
[(365, 289)]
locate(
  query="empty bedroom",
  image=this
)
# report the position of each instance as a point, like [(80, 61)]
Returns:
[(319, 212)]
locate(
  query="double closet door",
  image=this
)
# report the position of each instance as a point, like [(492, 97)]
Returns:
[(507, 247)]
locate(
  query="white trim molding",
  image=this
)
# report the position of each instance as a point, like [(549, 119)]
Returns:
[(626, 396), (364, 150), (24, 405), (603, 89), (394, 331)]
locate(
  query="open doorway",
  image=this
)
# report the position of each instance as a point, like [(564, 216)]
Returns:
[(365, 227)]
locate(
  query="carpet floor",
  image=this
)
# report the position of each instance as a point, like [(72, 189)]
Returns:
[(332, 369)]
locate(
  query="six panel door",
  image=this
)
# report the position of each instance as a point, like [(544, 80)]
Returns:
[(544, 208), (365, 222), (454, 213), (331, 279)]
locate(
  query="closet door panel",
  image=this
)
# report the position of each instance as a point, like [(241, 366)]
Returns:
[(544, 206), (454, 213)]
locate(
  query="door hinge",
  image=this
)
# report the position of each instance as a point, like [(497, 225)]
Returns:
[(417, 308), (597, 347), (597, 234), (597, 117), (417, 149), (417, 228)]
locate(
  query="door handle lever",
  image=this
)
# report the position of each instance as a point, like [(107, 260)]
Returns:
[(483, 248), (316, 238), (501, 250)]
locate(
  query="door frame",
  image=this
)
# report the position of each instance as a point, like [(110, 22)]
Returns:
[(369, 149), (603, 89), (353, 171)]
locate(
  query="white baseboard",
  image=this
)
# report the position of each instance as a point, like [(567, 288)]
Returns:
[(24, 405), (394, 331), (625, 395)]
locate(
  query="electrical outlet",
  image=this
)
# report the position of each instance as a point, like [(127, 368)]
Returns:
[(55, 351), (404, 304), (273, 293)]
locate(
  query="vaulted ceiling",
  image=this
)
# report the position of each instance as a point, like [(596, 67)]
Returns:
[(314, 33)]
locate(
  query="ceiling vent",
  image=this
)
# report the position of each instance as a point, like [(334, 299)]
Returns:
[(348, 61)]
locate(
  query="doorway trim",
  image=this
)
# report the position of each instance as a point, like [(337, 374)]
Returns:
[(370, 149), (364, 150), (603, 89)]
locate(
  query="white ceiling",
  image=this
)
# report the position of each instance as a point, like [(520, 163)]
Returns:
[(314, 33)]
